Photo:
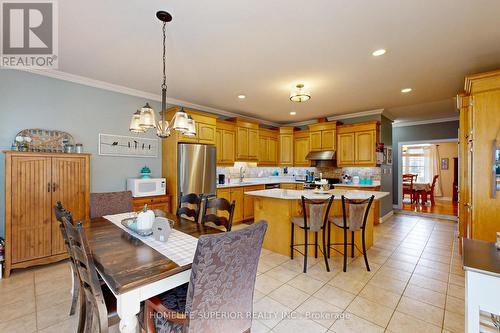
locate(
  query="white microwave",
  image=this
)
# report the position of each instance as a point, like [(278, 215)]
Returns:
[(145, 187)]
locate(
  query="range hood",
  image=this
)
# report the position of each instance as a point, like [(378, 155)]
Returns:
[(321, 155)]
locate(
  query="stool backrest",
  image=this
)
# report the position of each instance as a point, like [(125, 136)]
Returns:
[(358, 212), (318, 212)]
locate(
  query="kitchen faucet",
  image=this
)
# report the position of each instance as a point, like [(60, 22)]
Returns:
[(242, 174)]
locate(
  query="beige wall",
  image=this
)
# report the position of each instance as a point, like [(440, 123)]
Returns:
[(448, 150)]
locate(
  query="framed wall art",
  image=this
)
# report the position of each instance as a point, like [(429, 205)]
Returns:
[(127, 146)]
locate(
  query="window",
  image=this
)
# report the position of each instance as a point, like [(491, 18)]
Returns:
[(416, 161)]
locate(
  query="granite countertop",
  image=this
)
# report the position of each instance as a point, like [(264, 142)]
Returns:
[(480, 256), (375, 184), (260, 181), (277, 193)]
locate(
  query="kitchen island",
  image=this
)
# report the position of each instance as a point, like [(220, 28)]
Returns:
[(277, 206)]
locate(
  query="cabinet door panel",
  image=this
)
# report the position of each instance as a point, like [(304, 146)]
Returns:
[(31, 208), (241, 143), (365, 148), (206, 133), (219, 151), (263, 149), (328, 140), (300, 151), (345, 149), (248, 201), (69, 187), (315, 138), (272, 151), (253, 148), (237, 197), (286, 150), (228, 139)]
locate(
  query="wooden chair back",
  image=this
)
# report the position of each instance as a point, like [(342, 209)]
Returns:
[(216, 205), (82, 256), (434, 181), (110, 203), (191, 199)]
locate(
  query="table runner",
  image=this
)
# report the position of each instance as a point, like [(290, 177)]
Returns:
[(179, 247)]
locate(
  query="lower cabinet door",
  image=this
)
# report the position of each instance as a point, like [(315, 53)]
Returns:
[(237, 197)]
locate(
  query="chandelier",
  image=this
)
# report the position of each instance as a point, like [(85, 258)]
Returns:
[(145, 119), (300, 95)]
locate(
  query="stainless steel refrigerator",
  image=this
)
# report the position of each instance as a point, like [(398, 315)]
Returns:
[(196, 168)]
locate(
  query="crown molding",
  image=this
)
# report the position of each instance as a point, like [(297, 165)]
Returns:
[(60, 75), (423, 122), (341, 117)]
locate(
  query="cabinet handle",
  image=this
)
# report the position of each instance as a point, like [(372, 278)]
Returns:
[(53, 187), (48, 187)]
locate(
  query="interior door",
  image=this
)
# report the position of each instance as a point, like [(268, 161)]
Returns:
[(31, 209), (68, 186)]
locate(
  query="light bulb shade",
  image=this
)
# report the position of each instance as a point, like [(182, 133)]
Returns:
[(148, 119), (300, 96), (180, 121), (135, 126), (191, 131), (162, 129)]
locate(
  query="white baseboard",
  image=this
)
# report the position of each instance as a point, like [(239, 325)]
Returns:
[(386, 217)]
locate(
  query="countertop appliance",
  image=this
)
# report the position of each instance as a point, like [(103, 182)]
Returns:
[(312, 185), (222, 179), (196, 169), (146, 187)]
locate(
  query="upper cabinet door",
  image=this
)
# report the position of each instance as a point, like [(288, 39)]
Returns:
[(31, 208), (286, 150), (300, 151), (345, 149), (315, 138), (218, 146), (228, 151), (328, 140), (263, 149), (253, 147), (241, 143), (206, 133), (69, 186), (272, 151), (365, 153)]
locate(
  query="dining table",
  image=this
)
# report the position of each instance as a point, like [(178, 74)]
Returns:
[(420, 189), (133, 267)]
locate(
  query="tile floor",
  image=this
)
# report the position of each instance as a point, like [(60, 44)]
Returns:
[(416, 285)]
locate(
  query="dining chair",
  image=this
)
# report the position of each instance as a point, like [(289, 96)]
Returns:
[(97, 300), (189, 206), (110, 203), (218, 205), (431, 191), (354, 221), (314, 218), (222, 282), (408, 186), (61, 212)]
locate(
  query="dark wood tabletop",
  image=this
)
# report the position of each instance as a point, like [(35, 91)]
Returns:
[(126, 262)]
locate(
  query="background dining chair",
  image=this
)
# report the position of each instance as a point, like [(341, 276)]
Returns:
[(222, 281), (216, 206), (431, 191), (408, 186), (354, 221), (189, 206), (100, 303), (60, 212), (314, 218), (110, 203)]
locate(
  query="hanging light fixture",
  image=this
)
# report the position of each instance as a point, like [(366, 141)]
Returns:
[(145, 118), (300, 95)]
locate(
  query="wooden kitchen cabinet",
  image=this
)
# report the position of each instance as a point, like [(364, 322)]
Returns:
[(206, 133), (285, 157), (233, 194), (323, 136), (357, 144), (34, 182), (225, 143), (205, 126), (288, 186), (247, 140), (268, 147), (301, 147), (162, 202), (248, 201)]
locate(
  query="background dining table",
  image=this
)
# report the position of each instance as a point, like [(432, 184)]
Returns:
[(133, 270), (420, 188)]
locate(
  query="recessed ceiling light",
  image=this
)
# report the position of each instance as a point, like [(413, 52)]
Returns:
[(242, 96), (406, 90), (378, 53), (293, 113)]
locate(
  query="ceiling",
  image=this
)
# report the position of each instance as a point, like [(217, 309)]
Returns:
[(218, 49)]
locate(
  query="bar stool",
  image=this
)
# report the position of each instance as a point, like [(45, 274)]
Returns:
[(315, 222), (356, 220)]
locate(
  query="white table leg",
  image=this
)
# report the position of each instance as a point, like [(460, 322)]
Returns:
[(129, 305), (472, 293)]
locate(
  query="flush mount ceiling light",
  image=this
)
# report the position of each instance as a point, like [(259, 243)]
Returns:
[(145, 119), (241, 96), (299, 95), (293, 113), (406, 90), (378, 53)]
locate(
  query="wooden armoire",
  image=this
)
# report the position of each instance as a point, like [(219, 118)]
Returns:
[(479, 204), (34, 182)]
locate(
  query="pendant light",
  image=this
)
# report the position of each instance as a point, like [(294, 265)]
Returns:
[(300, 95), (146, 119)]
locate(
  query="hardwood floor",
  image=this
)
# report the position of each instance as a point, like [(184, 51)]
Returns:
[(442, 207)]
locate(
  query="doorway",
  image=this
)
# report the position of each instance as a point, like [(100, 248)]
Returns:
[(428, 178)]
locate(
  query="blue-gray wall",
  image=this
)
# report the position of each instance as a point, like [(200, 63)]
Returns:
[(33, 101), (435, 131)]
